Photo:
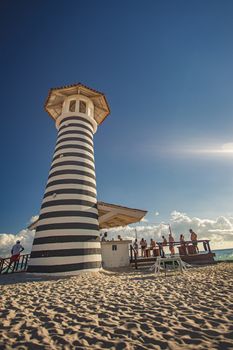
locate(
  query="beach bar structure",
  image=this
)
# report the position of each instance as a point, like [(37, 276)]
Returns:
[(67, 234)]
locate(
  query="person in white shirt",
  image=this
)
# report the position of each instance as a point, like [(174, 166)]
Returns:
[(15, 255), (17, 249)]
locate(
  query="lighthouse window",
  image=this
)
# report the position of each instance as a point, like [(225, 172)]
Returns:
[(82, 107), (72, 106)]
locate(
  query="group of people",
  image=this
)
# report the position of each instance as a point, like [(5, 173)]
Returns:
[(165, 242), (144, 246)]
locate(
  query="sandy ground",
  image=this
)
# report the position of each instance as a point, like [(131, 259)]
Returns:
[(119, 310)]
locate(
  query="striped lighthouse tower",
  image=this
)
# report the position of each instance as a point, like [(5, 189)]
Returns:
[(67, 234)]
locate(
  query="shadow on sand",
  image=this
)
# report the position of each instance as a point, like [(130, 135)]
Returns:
[(24, 277)]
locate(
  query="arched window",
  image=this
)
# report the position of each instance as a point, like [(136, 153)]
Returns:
[(72, 106), (82, 106)]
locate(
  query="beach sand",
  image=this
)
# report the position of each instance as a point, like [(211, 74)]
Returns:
[(127, 309)]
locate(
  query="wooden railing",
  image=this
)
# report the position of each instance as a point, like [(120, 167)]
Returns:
[(6, 266), (206, 243)]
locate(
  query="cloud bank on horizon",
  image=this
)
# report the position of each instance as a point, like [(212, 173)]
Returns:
[(219, 232)]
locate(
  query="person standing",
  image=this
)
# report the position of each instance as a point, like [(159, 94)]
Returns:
[(182, 245), (171, 244), (162, 245), (15, 255), (152, 243), (147, 250), (135, 246), (182, 241), (193, 238), (143, 245), (152, 246)]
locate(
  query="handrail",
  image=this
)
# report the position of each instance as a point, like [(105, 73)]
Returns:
[(8, 266), (182, 242), (206, 243), (185, 243)]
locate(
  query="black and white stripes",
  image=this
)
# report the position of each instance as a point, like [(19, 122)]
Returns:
[(67, 234)]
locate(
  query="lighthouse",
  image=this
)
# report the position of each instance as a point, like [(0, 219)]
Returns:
[(67, 239)]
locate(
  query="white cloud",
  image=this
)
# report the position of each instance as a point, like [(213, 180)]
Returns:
[(228, 147), (219, 231), (144, 220), (34, 218)]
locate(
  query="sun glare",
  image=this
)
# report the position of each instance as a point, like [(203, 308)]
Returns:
[(227, 147)]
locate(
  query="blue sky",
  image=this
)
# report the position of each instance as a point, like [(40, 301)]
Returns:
[(166, 68)]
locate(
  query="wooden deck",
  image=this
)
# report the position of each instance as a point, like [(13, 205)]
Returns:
[(199, 259), (187, 252)]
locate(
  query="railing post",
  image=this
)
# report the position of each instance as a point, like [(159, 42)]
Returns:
[(208, 245), (135, 259), (1, 265), (161, 251), (26, 263), (22, 262), (131, 253)]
